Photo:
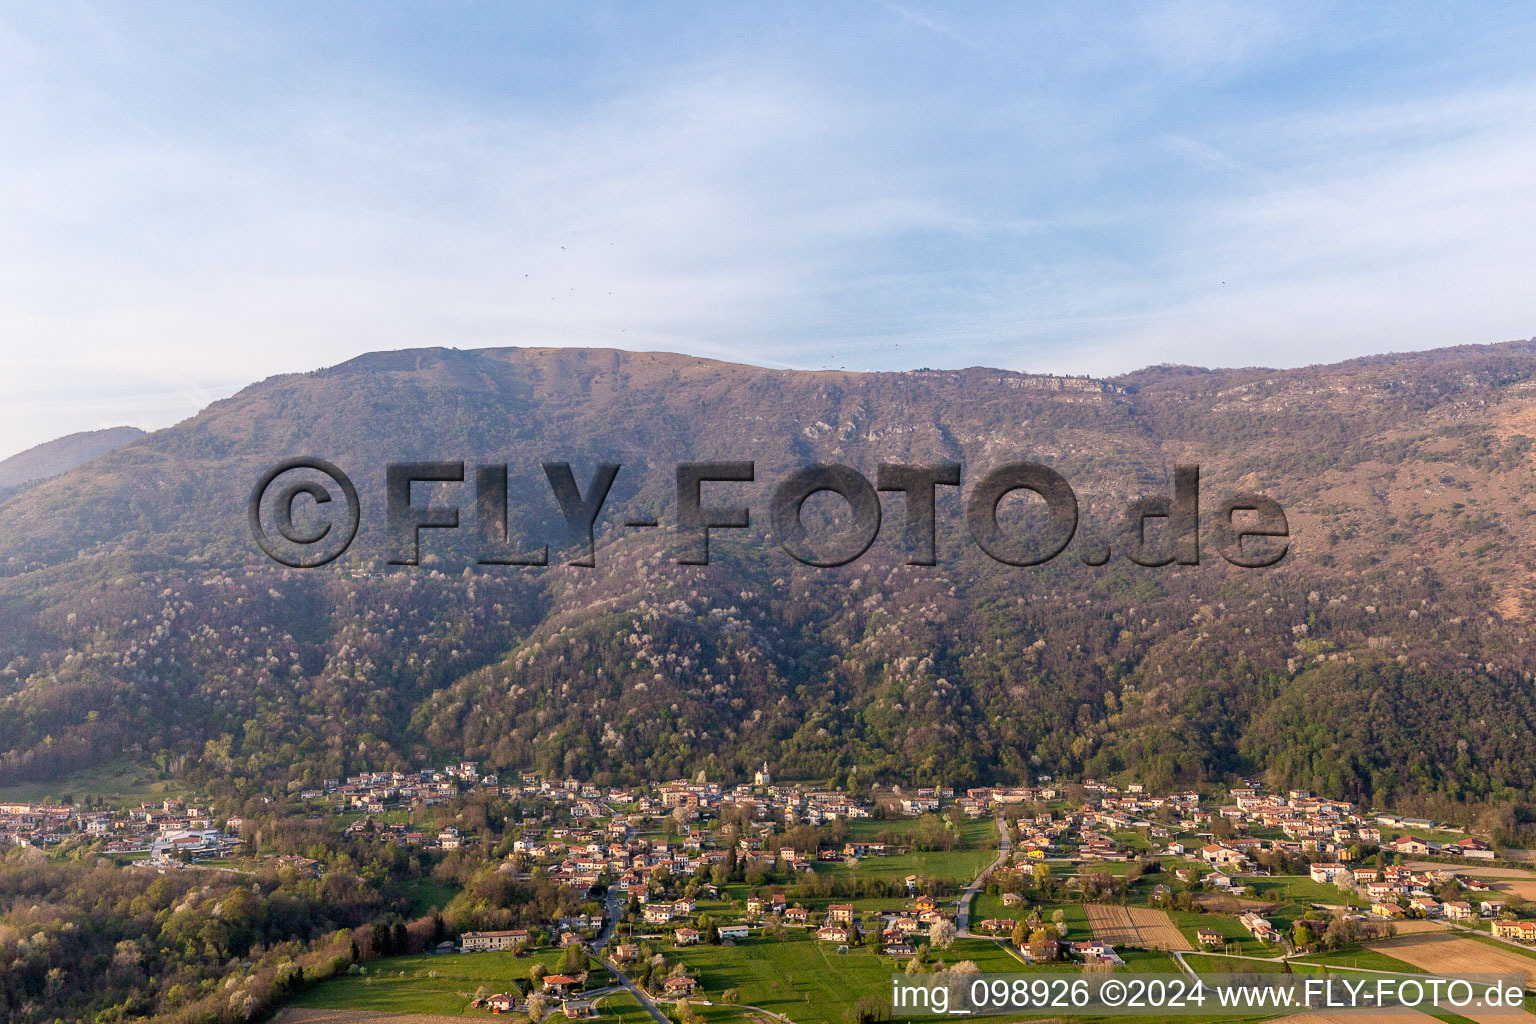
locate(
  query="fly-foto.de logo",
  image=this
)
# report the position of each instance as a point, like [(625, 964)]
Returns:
[(304, 512)]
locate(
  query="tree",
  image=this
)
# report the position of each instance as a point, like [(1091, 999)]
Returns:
[(1043, 945), (1097, 884), (573, 960), (730, 997), (932, 833), (868, 1010), (942, 934), (538, 1003), (1020, 934)]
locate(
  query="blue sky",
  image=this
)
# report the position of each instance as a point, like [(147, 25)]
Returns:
[(196, 196)]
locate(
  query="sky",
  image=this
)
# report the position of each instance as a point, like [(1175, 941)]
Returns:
[(197, 196)]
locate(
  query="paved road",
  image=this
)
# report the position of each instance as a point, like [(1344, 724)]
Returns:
[(963, 920), (615, 910)]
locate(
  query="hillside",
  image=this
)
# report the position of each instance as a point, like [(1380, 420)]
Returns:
[(1387, 657), (60, 455)]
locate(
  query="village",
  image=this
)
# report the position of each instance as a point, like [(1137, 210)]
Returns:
[(1087, 872), (1240, 836), (169, 832)]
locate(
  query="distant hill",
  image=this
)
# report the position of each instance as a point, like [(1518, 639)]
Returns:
[(60, 455), (1388, 658)]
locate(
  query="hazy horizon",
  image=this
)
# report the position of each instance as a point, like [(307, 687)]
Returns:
[(5, 454)]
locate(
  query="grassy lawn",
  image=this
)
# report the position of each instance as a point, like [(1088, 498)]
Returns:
[(978, 850), (811, 983), (1230, 929), (799, 977), (987, 907), (425, 983), (959, 865), (392, 816), (990, 956), (1146, 962), (1134, 839), (1299, 888), (1229, 965), (428, 894), (623, 1007), (120, 782), (1391, 832), (1366, 958), (1117, 868), (716, 1013), (1076, 919)]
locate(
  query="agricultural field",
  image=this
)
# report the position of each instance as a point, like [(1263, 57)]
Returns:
[(1135, 926), (1413, 926), (1447, 953)]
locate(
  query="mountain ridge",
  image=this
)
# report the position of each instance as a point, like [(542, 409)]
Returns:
[(51, 458), (145, 622)]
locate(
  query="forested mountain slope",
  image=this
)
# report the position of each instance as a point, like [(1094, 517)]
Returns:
[(1387, 657)]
